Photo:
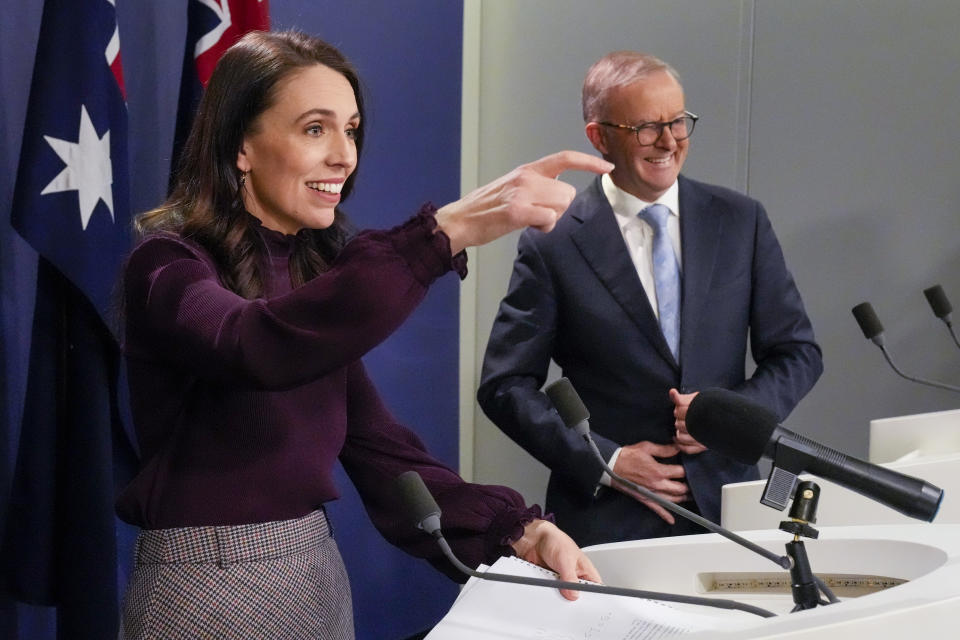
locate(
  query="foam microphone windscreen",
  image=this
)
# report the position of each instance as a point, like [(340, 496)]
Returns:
[(416, 497), (867, 319), (727, 422), (567, 401), (938, 301)]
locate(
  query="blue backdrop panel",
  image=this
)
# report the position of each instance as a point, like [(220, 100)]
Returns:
[(408, 55)]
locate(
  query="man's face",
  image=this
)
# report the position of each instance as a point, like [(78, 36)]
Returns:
[(643, 171)]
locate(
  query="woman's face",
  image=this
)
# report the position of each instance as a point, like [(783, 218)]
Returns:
[(300, 151)]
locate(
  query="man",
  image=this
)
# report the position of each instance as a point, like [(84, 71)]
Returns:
[(640, 315)]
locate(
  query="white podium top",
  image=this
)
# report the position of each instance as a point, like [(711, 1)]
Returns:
[(920, 435), (893, 582), (924, 562)]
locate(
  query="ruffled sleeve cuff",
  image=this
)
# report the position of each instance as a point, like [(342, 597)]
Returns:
[(426, 248), (507, 527)]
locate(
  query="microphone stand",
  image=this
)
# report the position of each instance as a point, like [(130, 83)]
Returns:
[(804, 585)]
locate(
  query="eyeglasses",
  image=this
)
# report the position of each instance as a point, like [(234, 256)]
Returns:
[(649, 132)]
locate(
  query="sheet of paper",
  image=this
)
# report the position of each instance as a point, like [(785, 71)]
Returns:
[(486, 609)]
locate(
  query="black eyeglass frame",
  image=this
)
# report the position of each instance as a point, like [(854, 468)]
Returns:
[(659, 126)]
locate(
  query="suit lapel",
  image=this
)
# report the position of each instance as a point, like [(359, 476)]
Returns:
[(600, 243), (700, 229)]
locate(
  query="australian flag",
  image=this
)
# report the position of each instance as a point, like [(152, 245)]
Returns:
[(212, 27), (71, 200), (71, 203)]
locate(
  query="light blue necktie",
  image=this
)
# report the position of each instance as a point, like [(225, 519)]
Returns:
[(666, 275)]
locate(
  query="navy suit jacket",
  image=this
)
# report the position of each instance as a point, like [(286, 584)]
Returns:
[(575, 297)]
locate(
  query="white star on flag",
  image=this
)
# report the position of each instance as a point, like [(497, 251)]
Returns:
[(89, 171)]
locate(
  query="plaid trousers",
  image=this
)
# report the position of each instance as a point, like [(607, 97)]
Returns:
[(270, 580)]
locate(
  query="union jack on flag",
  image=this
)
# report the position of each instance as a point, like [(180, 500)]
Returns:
[(212, 27)]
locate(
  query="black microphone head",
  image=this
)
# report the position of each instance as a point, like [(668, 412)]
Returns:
[(868, 320), (417, 498), (567, 401), (731, 424), (938, 301)]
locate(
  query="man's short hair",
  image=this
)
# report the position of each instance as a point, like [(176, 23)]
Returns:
[(616, 69)]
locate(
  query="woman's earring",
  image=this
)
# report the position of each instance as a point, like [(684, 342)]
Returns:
[(243, 179)]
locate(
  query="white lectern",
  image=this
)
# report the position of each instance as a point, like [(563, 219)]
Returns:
[(893, 581), (923, 435), (896, 577)]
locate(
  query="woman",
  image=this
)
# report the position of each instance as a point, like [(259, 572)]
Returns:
[(246, 314)]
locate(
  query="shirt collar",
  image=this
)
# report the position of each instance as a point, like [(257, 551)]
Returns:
[(626, 206)]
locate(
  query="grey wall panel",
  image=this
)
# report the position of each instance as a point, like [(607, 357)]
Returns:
[(854, 151)]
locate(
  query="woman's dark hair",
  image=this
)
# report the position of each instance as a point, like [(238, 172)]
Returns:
[(205, 202)]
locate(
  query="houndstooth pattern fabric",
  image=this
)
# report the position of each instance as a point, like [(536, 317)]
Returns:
[(271, 580)]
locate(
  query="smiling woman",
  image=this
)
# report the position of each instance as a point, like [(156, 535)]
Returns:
[(247, 309), (300, 151)]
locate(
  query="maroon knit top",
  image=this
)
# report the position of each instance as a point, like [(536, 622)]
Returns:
[(242, 406)]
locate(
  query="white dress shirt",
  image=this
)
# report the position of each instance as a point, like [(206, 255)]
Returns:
[(638, 237)]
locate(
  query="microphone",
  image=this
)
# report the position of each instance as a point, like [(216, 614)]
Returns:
[(939, 303), (869, 323), (426, 516), (872, 330), (941, 308), (576, 416), (733, 425)]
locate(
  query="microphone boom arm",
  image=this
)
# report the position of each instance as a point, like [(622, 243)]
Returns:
[(598, 588), (932, 383), (782, 561), (412, 491)]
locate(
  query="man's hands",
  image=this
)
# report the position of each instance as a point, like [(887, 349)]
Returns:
[(528, 196), (683, 440), (640, 462)]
